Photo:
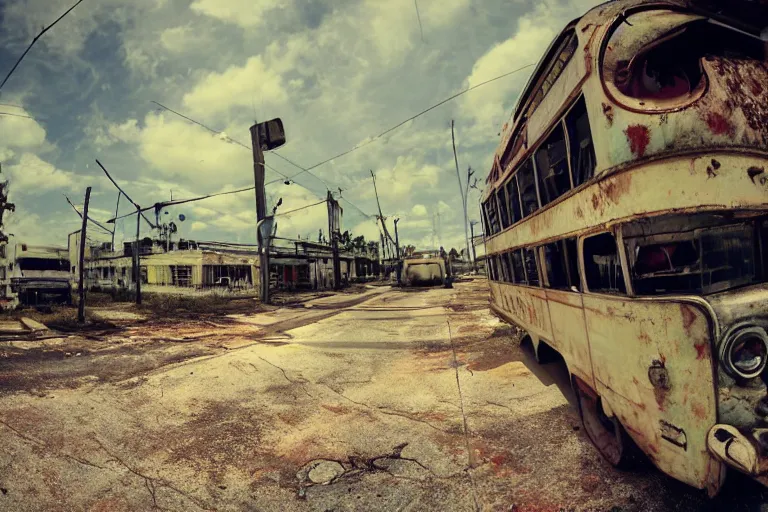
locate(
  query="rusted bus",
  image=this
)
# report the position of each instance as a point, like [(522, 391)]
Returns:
[(627, 229), (424, 271)]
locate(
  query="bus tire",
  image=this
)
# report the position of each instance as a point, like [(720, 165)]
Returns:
[(609, 437)]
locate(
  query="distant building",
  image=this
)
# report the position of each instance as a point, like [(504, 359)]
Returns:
[(183, 264)]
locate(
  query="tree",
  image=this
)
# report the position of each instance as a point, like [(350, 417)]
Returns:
[(409, 250), (454, 254)]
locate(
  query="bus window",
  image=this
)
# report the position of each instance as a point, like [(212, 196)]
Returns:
[(560, 264), (502, 202), (506, 268), (491, 216), (580, 137), (516, 257), (763, 233), (492, 267), (527, 183), (552, 167), (602, 266), (514, 201), (531, 270)]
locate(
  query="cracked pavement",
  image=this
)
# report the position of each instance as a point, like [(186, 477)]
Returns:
[(413, 399)]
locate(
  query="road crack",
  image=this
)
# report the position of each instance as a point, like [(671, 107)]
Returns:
[(45, 445), (302, 383), (387, 411), (151, 483), (463, 417)]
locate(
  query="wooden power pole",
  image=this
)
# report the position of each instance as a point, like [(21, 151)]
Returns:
[(397, 249), (334, 230), (81, 260), (261, 211), (462, 191)]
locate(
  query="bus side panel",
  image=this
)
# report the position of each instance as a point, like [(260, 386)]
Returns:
[(525, 305), (569, 332), (653, 368)]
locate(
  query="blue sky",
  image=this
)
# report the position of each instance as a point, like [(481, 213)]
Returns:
[(335, 71)]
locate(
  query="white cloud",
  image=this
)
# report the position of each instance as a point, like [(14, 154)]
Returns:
[(20, 132), (125, 132), (34, 176), (245, 13), (236, 87), (491, 107), (419, 210), (180, 150), (198, 226)]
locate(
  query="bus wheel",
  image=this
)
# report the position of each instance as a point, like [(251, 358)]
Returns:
[(607, 434)]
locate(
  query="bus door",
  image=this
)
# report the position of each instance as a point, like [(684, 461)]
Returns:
[(559, 263)]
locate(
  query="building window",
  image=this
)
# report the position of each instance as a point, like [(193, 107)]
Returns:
[(602, 265), (552, 167), (580, 137), (527, 183), (561, 265)]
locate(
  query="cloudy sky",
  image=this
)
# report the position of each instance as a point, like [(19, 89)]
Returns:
[(336, 72)]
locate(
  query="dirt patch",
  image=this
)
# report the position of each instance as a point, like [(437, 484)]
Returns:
[(38, 370)]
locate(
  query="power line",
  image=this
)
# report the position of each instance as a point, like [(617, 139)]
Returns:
[(96, 223), (289, 178), (297, 209), (15, 115), (34, 41), (230, 139), (398, 125)]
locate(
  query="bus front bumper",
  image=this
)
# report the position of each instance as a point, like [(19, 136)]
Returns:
[(747, 453)]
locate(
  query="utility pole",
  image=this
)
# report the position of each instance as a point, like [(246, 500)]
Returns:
[(461, 188), (137, 256), (474, 253), (381, 215), (81, 262), (397, 249), (114, 226), (139, 215), (261, 211), (334, 229)]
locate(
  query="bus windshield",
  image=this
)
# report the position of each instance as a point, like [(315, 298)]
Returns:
[(702, 261), (58, 265)]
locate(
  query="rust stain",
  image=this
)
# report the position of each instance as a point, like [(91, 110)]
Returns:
[(645, 338), (608, 113), (579, 213), (660, 395), (701, 350), (699, 411), (754, 171), (595, 201), (638, 137), (689, 316), (718, 124)]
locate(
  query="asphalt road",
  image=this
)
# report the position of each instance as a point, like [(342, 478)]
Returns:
[(391, 400)]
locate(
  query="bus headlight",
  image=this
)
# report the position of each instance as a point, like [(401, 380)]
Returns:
[(745, 352)]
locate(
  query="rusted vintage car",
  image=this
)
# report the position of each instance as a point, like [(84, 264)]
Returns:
[(626, 222)]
